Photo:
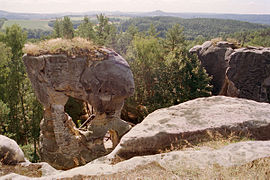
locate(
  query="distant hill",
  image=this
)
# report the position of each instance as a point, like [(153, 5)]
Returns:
[(253, 18), (208, 28), (2, 21)]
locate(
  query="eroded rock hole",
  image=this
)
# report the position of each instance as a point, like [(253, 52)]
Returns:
[(110, 140), (78, 110)]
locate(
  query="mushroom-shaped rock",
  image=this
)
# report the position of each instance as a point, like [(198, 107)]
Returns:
[(10, 152), (96, 75)]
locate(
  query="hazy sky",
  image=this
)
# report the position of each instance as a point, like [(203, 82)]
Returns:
[(210, 6)]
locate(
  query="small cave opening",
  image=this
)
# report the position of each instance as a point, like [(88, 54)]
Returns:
[(78, 110)]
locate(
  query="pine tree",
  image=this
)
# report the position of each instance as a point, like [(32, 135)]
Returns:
[(86, 30), (103, 29), (67, 28), (57, 29)]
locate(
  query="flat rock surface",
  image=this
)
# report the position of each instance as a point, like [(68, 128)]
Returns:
[(190, 120), (168, 165)]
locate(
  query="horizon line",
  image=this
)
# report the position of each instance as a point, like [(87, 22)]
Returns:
[(131, 12)]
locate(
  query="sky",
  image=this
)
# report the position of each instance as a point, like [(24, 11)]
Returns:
[(204, 6)]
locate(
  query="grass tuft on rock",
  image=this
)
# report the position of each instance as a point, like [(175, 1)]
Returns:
[(76, 47)]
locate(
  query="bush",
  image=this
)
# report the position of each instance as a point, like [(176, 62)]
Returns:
[(29, 153)]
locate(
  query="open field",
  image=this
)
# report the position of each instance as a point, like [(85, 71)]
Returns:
[(29, 24)]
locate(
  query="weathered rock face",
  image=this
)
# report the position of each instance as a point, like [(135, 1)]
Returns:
[(10, 152), (187, 122), (243, 72), (187, 164), (102, 83), (214, 58), (192, 122), (249, 72)]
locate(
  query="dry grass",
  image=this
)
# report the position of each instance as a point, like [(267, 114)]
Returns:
[(33, 170), (76, 47), (214, 139), (235, 42), (257, 169)]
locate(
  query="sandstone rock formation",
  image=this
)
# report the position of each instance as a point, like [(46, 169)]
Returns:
[(188, 122), (189, 164), (193, 122), (103, 82), (243, 72), (173, 164), (10, 152), (249, 74), (214, 58)]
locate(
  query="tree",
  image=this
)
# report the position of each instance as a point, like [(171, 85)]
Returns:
[(67, 28), (175, 38), (5, 54), (15, 90), (145, 58), (57, 28), (125, 39), (188, 79), (165, 73), (86, 30), (103, 29)]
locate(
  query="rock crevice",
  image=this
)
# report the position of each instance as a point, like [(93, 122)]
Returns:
[(237, 72)]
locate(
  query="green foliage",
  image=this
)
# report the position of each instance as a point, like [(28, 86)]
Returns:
[(15, 39), (103, 29), (63, 28), (253, 38), (206, 27), (29, 153), (68, 31), (188, 80), (16, 91), (175, 38), (4, 111), (164, 72), (57, 29), (37, 33), (86, 30), (5, 54), (125, 39)]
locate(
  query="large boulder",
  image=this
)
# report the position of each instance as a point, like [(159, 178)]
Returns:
[(98, 76), (188, 122), (248, 75), (243, 72), (193, 122), (239, 159), (214, 58), (10, 152)]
